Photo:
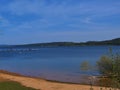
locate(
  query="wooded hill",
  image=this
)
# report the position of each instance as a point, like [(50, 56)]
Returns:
[(67, 44)]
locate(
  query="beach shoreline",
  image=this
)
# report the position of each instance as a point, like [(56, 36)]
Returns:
[(50, 80), (42, 84)]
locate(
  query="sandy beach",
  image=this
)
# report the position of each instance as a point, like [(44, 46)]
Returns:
[(41, 84)]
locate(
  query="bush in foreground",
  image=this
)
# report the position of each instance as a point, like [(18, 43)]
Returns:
[(109, 67)]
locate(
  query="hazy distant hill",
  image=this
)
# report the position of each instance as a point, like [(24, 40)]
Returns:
[(107, 42), (89, 43)]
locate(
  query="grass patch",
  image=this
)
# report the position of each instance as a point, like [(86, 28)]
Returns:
[(10, 85)]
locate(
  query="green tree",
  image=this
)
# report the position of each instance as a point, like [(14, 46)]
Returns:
[(109, 66), (105, 66)]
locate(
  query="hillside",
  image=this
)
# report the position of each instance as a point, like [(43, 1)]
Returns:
[(55, 44)]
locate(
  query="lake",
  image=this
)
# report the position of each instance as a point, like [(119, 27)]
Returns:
[(53, 63)]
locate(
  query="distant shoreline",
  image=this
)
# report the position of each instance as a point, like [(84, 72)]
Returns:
[(115, 42)]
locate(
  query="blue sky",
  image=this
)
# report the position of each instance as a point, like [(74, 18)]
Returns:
[(36, 21)]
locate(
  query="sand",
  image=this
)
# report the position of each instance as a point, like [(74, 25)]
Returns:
[(41, 84)]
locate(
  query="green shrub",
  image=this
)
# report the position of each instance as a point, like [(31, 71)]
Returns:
[(109, 67)]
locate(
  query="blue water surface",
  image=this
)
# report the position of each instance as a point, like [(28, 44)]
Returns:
[(53, 63)]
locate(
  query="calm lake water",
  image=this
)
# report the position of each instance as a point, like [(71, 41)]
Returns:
[(53, 63)]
